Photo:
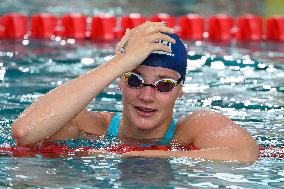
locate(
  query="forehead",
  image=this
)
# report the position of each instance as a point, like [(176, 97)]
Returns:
[(157, 72)]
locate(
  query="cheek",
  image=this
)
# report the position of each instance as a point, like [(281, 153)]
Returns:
[(128, 94), (166, 101)]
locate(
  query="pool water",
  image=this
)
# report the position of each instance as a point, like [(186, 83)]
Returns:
[(243, 81)]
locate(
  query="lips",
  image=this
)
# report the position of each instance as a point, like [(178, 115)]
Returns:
[(145, 111)]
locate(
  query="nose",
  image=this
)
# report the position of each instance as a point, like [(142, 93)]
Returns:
[(147, 94)]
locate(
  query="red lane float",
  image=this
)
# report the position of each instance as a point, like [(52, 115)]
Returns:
[(103, 28), (220, 27), (275, 28), (74, 26), (128, 148), (14, 25), (47, 150), (191, 27), (130, 21), (43, 25), (121, 149), (51, 150), (249, 28)]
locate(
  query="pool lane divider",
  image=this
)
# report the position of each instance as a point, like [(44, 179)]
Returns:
[(219, 27), (54, 150), (50, 149)]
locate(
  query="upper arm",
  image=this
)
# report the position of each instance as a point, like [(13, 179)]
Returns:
[(93, 122), (86, 121), (208, 129)]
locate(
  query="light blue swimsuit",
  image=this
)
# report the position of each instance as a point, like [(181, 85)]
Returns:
[(113, 129)]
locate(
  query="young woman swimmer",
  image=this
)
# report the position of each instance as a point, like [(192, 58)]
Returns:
[(151, 63)]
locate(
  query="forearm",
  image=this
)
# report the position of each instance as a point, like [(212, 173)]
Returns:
[(54, 110), (215, 154)]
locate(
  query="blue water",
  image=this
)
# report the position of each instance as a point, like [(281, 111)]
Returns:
[(243, 81)]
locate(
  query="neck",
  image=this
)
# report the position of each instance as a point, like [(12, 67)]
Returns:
[(130, 131)]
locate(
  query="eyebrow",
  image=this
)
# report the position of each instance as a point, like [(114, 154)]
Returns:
[(162, 76)]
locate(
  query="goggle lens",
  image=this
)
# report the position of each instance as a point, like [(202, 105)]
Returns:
[(163, 86), (133, 80)]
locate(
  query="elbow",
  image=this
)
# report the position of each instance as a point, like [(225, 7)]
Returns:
[(19, 134), (250, 155)]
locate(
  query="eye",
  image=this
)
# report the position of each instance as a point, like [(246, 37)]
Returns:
[(165, 85), (133, 80)]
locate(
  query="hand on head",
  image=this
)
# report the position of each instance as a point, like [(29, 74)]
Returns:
[(140, 41)]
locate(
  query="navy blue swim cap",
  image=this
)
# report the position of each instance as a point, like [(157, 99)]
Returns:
[(176, 60)]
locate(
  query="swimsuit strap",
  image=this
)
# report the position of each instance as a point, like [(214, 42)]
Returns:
[(113, 129), (169, 134)]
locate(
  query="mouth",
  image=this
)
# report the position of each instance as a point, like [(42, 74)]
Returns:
[(145, 111)]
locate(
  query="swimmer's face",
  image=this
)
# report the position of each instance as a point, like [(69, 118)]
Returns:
[(145, 107)]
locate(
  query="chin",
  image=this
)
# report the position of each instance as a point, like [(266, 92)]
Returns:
[(145, 127), (144, 124)]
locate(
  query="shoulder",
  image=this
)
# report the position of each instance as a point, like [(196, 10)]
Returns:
[(208, 129), (205, 118), (200, 122), (93, 122)]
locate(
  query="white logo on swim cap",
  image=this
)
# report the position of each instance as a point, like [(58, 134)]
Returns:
[(164, 52)]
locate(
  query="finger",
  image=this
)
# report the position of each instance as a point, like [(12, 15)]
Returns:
[(152, 24), (160, 36), (146, 25), (163, 29), (127, 33), (119, 47), (160, 47), (123, 41)]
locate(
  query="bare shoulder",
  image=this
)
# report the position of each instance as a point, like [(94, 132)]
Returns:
[(209, 130), (204, 119), (203, 127), (190, 123), (93, 122)]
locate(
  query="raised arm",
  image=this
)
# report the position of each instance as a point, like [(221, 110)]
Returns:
[(53, 111), (56, 109)]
